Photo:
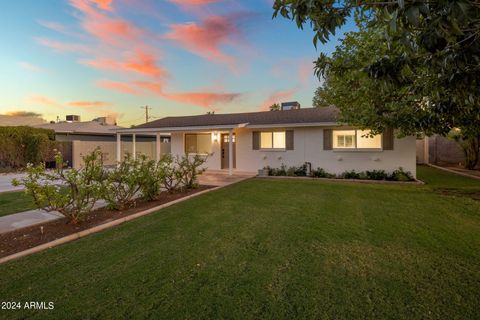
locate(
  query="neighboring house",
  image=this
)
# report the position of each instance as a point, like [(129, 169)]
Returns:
[(250, 141), (84, 136)]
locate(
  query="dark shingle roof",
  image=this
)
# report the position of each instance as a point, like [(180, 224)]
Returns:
[(298, 116)]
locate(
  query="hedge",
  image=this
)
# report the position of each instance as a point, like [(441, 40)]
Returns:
[(21, 145)]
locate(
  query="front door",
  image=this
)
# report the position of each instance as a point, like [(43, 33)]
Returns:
[(225, 158)]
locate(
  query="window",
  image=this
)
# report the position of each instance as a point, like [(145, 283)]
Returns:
[(273, 140), (198, 143), (356, 139)]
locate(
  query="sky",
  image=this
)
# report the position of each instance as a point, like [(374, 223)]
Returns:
[(180, 57)]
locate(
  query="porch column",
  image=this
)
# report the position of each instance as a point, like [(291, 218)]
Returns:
[(230, 152), (119, 147), (157, 148), (134, 146)]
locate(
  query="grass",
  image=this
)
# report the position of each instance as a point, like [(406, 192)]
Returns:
[(13, 202), (274, 249)]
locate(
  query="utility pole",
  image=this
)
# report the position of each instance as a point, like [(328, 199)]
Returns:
[(147, 117)]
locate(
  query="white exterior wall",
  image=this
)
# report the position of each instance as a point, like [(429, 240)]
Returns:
[(308, 147)]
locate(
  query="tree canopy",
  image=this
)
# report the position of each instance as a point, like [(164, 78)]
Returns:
[(413, 65)]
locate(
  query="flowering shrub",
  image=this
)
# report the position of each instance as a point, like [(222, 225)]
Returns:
[(123, 183), (71, 192)]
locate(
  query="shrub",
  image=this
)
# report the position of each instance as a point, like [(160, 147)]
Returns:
[(71, 192), (352, 174), (189, 169), (400, 175), (320, 173), (150, 177), (123, 183), (21, 145), (376, 175)]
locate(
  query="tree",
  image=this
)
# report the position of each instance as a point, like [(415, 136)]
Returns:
[(275, 107), (422, 57), (319, 100)]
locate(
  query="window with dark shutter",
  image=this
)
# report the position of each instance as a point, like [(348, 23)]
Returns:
[(256, 140), (327, 139), (388, 137), (289, 140)]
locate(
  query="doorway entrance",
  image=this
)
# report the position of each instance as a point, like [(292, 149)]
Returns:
[(224, 145)]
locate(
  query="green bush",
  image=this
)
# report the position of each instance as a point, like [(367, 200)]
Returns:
[(400, 175), (321, 173), (71, 192), (189, 169), (22, 145), (123, 183), (351, 174), (377, 175)]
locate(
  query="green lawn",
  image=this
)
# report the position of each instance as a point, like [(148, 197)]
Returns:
[(13, 202), (275, 249)]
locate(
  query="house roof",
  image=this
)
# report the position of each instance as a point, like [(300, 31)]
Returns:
[(297, 116), (86, 127)]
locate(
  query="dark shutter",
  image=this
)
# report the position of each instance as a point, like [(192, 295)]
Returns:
[(388, 137), (256, 140), (327, 139), (289, 139)]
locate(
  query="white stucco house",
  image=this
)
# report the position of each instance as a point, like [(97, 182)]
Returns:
[(247, 142)]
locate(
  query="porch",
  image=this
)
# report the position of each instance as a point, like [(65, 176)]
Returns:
[(217, 142)]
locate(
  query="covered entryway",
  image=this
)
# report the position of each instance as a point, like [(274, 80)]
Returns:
[(225, 157)]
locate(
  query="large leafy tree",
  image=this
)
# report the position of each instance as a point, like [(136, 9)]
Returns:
[(413, 65)]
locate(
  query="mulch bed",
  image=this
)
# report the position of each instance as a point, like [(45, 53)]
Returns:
[(29, 237)]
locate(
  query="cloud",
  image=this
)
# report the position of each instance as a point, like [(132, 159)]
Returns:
[(117, 86), (58, 27), (43, 100), (192, 4), (139, 62), (208, 100), (88, 104), (203, 99), (205, 39), (30, 67), (23, 114), (63, 46), (108, 30), (104, 4), (278, 97)]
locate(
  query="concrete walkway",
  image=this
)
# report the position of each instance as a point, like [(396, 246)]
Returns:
[(37, 217), (6, 181)]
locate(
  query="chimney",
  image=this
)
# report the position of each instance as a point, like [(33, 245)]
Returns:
[(72, 118), (290, 105)]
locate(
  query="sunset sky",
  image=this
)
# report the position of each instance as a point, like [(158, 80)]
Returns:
[(109, 57)]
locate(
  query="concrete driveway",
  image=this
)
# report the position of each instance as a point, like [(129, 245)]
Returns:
[(6, 181)]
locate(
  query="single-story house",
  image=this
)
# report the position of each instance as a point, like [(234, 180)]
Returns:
[(82, 137), (246, 142)]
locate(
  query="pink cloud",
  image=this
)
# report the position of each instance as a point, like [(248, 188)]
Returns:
[(63, 46), (112, 31), (140, 62), (278, 97), (88, 104), (104, 4), (43, 100), (193, 2), (203, 99), (117, 86), (205, 39)]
